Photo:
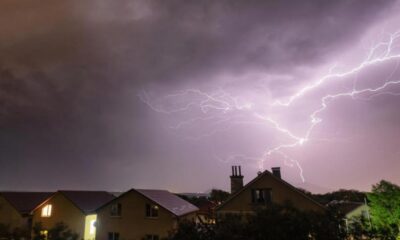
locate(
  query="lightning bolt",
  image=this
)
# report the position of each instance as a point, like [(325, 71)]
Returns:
[(225, 111), (374, 57)]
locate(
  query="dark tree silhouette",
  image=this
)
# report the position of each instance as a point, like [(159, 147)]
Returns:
[(274, 222), (59, 232)]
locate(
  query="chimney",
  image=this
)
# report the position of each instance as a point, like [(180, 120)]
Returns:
[(276, 171), (236, 179)]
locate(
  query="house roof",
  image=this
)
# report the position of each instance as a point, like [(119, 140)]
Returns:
[(25, 202), (260, 176), (88, 201), (164, 199), (169, 201), (346, 207), (206, 206)]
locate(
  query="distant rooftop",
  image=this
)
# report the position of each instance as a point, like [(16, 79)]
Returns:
[(169, 201), (25, 202), (88, 201), (197, 195), (346, 207)]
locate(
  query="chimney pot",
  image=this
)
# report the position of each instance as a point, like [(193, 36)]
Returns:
[(236, 179), (276, 171)]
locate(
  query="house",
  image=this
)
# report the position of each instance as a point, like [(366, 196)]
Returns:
[(142, 214), (206, 213), (16, 207), (266, 188), (76, 209), (351, 210)]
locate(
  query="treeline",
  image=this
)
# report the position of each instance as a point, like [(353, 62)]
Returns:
[(59, 232), (276, 222), (340, 195)]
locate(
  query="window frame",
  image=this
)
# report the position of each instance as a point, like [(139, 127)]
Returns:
[(264, 196), (46, 211), (152, 237), (116, 210), (152, 210), (113, 235)]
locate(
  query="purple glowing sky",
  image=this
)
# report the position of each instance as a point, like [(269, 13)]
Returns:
[(169, 94)]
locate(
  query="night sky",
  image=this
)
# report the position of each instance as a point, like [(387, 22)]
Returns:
[(169, 94)]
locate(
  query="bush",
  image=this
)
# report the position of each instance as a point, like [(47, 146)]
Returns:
[(59, 232), (276, 222), (16, 234)]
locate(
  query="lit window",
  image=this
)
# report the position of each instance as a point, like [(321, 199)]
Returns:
[(261, 196), (44, 234), (46, 210), (151, 210), (113, 236), (92, 228), (116, 210)]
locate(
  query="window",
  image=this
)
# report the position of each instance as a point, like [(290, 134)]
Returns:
[(44, 234), (92, 228), (116, 210), (113, 236), (261, 196), (152, 237), (151, 210), (46, 210)]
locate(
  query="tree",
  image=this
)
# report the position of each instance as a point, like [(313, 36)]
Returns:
[(37, 232), (59, 232), (218, 196), (273, 222), (278, 222), (17, 233), (193, 231), (340, 195), (329, 225), (5, 231), (231, 226), (358, 228), (385, 209)]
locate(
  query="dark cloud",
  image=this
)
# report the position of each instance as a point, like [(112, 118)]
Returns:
[(70, 73)]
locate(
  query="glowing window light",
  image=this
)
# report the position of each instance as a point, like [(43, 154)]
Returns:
[(92, 229), (46, 210), (44, 234)]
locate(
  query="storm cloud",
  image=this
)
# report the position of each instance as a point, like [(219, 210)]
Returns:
[(73, 74)]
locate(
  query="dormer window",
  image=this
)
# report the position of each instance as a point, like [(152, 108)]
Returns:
[(116, 210), (46, 210), (261, 196)]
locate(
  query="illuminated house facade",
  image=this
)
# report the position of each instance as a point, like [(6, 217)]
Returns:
[(266, 188), (16, 207), (142, 214), (351, 210), (76, 209)]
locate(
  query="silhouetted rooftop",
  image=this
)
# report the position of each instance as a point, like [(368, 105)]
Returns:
[(169, 201), (88, 201), (25, 202)]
